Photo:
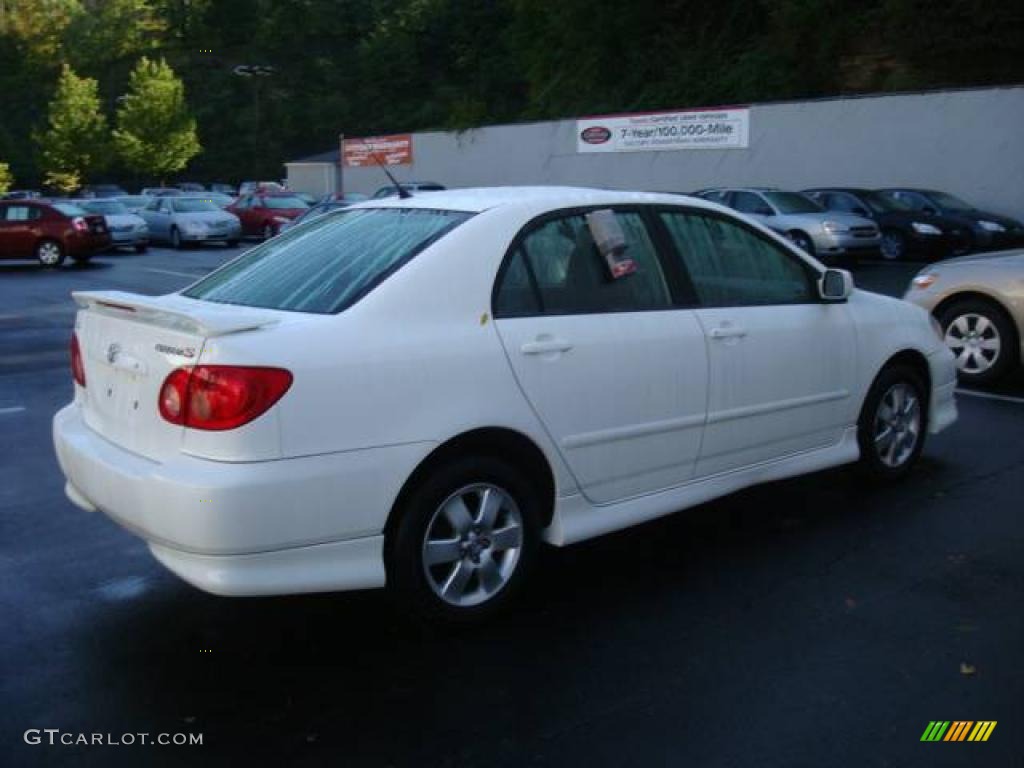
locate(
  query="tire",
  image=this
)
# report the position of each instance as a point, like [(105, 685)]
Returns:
[(141, 248), (893, 246), (176, 242), (802, 241), (232, 243), (50, 253), (268, 231), (982, 338), (892, 424), (472, 578), (83, 259)]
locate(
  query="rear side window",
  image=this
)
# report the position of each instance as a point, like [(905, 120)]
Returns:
[(328, 264), (557, 269), (19, 213)]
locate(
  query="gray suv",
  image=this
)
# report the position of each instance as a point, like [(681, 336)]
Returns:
[(823, 234)]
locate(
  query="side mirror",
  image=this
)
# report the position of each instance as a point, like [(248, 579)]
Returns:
[(835, 285)]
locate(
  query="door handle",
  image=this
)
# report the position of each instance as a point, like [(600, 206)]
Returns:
[(728, 332), (545, 346)]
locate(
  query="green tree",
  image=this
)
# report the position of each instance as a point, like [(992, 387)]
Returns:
[(6, 180), (155, 132), (76, 140)]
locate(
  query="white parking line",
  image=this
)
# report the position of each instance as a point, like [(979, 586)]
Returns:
[(990, 396), (12, 409), (191, 275)]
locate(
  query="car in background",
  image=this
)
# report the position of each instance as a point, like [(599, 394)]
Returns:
[(127, 229), (978, 302), (820, 233), (134, 202), (412, 187), (224, 189), (984, 231), (313, 212), (101, 191), (263, 213), (906, 233), (217, 198), (190, 187), (22, 194), (161, 192), (182, 220), (347, 423), (249, 187), (50, 231)]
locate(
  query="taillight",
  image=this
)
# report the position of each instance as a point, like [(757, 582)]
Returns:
[(77, 368), (218, 397), (80, 224)]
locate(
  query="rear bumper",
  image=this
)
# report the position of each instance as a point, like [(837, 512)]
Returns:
[(270, 527)]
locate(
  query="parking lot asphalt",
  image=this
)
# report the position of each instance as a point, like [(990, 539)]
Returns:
[(811, 622)]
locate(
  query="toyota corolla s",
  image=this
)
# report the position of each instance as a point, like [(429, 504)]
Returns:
[(419, 392)]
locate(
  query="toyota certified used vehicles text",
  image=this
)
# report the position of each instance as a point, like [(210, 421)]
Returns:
[(979, 303), (127, 229), (984, 231), (49, 232), (181, 220), (823, 234), (419, 392), (906, 233)]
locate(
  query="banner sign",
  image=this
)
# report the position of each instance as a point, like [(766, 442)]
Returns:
[(388, 150), (727, 128)]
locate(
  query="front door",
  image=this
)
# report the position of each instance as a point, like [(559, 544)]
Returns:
[(616, 373), (781, 361)]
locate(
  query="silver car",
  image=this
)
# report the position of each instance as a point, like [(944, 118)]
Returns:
[(127, 229), (979, 303), (185, 220), (823, 234)]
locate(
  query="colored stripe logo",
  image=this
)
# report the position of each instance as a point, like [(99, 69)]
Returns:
[(958, 730)]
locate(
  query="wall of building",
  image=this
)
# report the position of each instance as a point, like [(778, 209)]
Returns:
[(313, 178), (968, 142)]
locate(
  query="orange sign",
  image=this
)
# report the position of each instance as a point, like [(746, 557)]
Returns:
[(386, 150)]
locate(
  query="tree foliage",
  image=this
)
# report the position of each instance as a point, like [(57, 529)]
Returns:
[(155, 132), (75, 142), (6, 179), (367, 66)]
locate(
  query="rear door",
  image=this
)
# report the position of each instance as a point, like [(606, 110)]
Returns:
[(615, 370), (18, 223), (782, 363)]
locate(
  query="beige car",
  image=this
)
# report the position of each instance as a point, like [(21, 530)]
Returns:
[(979, 302)]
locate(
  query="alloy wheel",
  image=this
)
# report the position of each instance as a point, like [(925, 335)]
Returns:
[(974, 340), (892, 246), (897, 425), (472, 544), (48, 254)]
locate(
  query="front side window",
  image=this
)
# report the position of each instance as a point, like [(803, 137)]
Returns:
[(559, 262), (792, 202), (748, 202), (328, 264), (731, 266)]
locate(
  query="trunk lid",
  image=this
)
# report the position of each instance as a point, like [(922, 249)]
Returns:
[(129, 344)]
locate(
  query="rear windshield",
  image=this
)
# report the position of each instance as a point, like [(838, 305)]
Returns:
[(329, 263), (68, 209), (193, 205), (283, 202)]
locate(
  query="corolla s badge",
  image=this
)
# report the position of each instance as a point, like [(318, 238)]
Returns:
[(180, 351)]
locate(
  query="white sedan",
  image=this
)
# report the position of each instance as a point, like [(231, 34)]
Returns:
[(421, 391)]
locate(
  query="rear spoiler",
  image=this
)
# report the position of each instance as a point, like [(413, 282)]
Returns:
[(175, 311)]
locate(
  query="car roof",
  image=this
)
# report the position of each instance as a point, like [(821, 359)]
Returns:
[(479, 199)]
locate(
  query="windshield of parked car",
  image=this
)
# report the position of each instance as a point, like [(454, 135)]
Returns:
[(329, 263), (68, 209), (792, 202), (948, 202), (284, 201), (880, 203), (106, 207), (193, 205)]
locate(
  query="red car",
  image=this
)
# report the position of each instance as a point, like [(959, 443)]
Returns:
[(50, 231), (263, 213)]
